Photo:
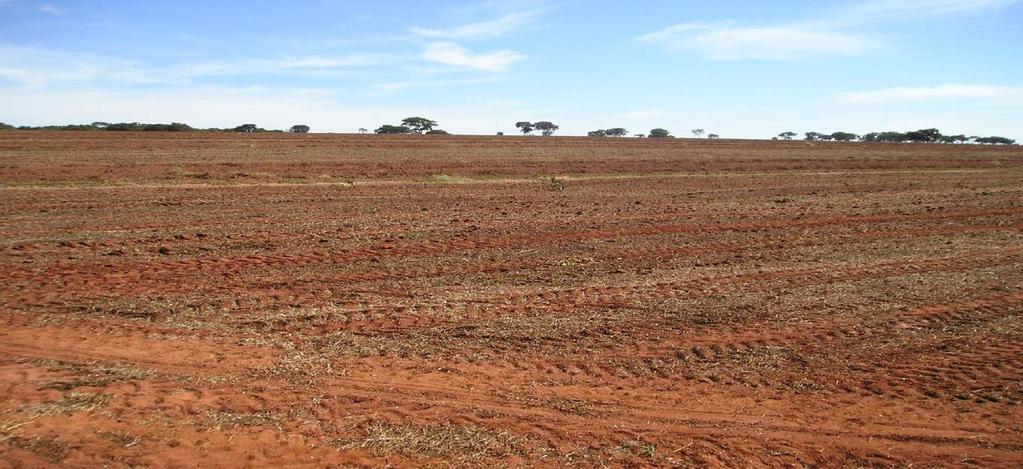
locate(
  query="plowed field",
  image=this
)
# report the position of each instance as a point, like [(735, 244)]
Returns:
[(265, 300)]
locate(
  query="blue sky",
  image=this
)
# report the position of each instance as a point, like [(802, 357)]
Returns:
[(739, 68)]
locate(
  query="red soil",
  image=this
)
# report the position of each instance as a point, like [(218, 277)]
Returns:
[(333, 300)]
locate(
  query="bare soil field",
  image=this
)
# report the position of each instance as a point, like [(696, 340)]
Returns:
[(272, 300)]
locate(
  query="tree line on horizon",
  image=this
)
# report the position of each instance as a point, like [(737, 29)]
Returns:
[(913, 136), (143, 127), (424, 126)]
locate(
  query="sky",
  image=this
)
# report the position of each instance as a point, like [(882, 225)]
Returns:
[(743, 69)]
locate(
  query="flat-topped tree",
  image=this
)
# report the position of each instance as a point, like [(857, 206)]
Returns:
[(299, 129), (659, 133), (787, 135), (616, 132), (994, 140), (525, 127), (546, 128), (418, 125)]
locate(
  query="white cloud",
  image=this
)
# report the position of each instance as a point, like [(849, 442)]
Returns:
[(317, 62), (41, 67), (934, 93), (837, 34), (909, 9), (210, 106), (304, 66), (482, 30), (391, 87), (450, 53), (725, 41), (50, 9)]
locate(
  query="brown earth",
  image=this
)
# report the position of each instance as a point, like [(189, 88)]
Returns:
[(270, 300)]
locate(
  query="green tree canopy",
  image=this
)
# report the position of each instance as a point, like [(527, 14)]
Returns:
[(418, 124), (659, 133), (392, 129), (546, 128), (844, 136)]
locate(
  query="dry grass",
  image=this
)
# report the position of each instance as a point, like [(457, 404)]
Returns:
[(72, 402), (95, 375), (449, 441), (220, 420)]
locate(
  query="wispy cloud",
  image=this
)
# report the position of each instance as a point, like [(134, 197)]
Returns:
[(935, 93), (40, 67), (870, 10), (50, 9), (301, 65), (392, 87), (836, 34), (481, 30), (450, 53), (726, 41)]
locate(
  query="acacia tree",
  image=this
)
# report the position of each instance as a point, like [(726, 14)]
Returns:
[(418, 125), (546, 128), (525, 127), (392, 129), (659, 133), (363, 130), (299, 129), (924, 135), (713, 136), (844, 136), (597, 133), (698, 133), (787, 135), (616, 132)]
